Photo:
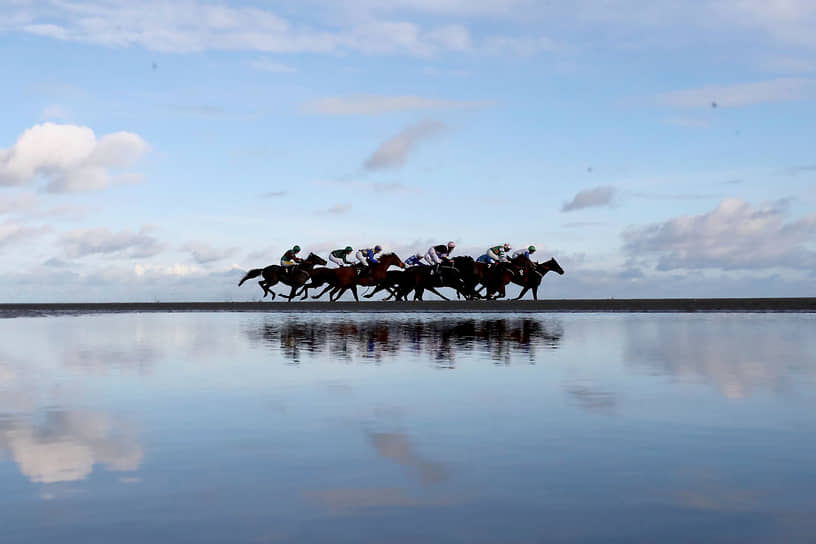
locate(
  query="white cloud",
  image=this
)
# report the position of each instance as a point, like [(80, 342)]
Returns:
[(203, 253), (135, 245), (14, 232), (70, 158), (591, 198), (18, 203), (379, 104), (735, 235), (268, 65), (744, 94), (193, 25), (394, 152)]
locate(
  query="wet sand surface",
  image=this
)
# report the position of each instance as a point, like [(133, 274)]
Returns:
[(682, 305)]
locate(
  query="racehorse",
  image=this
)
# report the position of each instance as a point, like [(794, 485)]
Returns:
[(420, 278), (531, 279), (495, 278), (347, 278), (272, 274), (471, 274)]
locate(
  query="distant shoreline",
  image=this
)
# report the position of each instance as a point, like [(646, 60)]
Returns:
[(666, 305)]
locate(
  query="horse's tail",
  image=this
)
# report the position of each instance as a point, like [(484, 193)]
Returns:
[(254, 273)]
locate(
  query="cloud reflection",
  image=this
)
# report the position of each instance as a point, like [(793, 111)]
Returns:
[(438, 339), (396, 447), (66, 446), (738, 355)]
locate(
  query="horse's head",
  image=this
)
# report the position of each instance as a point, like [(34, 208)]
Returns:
[(389, 259), (553, 265), (315, 259)]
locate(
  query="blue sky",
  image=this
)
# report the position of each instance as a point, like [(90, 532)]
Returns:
[(154, 150)]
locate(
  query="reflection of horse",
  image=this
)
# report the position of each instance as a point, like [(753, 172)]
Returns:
[(531, 278), (443, 339), (347, 278), (294, 277)]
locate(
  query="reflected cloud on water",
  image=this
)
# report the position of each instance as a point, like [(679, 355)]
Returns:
[(438, 339), (739, 355), (50, 442), (65, 446), (396, 447)]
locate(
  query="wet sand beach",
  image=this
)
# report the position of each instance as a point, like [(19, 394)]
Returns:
[(681, 305)]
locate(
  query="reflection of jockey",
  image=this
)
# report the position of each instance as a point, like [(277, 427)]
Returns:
[(437, 253), (526, 251), (340, 256), (415, 260), (290, 258), (368, 256), (498, 253)]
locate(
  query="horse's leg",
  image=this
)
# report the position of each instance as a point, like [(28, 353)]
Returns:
[(335, 295), (535, 293), (374, 292), (323, 292), (262, 283), (292, 293), (523, 292), (354, 292)]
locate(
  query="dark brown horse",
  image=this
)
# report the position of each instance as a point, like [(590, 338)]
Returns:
[(494, 278), (347, 278), (471, 274), (420, 278), (295, 277), (531, 277)]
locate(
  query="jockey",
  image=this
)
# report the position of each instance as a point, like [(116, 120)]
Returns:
[(415, 260), (437, 253), (498, 253), (340, 256), (527, 252), (290, 258), (368, 256)]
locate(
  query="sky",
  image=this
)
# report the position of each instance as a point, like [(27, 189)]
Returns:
[(157, 150)]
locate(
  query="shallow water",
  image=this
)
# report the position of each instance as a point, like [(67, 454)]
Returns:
[(388, 428)]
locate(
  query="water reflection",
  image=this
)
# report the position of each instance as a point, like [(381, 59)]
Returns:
[(48, 438), (591, 398), (65, 446), (737, 354), (440, 340), (396, 447)]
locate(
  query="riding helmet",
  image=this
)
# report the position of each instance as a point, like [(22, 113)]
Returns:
[(377, 248), (507, 246), (296, 249), (451, 245), (349, 249), (531, 249)]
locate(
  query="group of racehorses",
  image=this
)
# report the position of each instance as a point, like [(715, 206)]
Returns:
[(467, 276)]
